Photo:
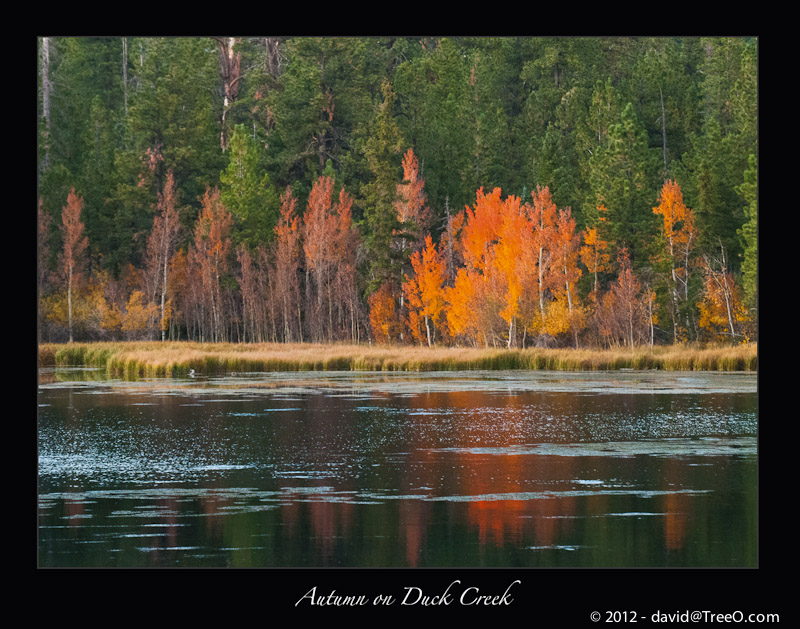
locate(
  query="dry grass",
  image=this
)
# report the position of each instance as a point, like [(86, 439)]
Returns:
[(134, 359)]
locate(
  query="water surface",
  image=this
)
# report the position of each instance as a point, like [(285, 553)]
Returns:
[(473, 469)]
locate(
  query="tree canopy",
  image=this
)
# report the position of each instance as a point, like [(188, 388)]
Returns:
[(489, 190)]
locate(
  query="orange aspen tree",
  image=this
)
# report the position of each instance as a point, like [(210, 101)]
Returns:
[(344, 250), (329, 244), (679, 233), (209, 256), (486, 294), (621, 315), (469, 309), (424, 290), (75, 245), (509, 258), (543, 215), (413, 213), (384, 318), (481, 228), (161, 244), (286, 267), (566, 243), (319, 235)]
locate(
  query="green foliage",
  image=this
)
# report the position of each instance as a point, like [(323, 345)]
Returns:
[(383, 152), (622, 178), (749, 233), (600, 121), (246, 191), (436, 101)]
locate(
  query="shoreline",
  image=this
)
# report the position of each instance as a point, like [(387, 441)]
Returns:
[(176, 358)]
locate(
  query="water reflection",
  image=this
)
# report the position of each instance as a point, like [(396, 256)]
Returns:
[(626, 469)]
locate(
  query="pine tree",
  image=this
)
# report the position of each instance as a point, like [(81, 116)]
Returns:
[(246, 191), (749, 234), (381, 222)]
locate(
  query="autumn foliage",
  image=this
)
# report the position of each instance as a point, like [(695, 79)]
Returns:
[(424, 292), (75, 245), (505, 271)]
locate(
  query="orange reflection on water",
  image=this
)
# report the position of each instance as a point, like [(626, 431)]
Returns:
[(676, 506)]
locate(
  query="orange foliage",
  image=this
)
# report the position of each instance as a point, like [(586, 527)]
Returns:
[(481, 228), (679, 228), (424, 291), (411, 205), (287, 264), (329, 244), (384, 317), (491, 241), (75, 243), (622, 314), (469, 306), (521, 260), (209, 258), (594, 254)]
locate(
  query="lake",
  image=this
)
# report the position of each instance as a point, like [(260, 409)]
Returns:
[(351, 469)]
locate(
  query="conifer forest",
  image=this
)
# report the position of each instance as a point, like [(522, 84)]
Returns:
[(436, 191)]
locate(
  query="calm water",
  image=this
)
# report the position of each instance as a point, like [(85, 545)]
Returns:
[(472, 469)]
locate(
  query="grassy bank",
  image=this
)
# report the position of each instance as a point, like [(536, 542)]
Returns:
[(136, 359)]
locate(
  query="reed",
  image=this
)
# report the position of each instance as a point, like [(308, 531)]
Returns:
[(156, 359)]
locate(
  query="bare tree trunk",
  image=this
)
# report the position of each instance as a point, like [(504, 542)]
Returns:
[(273, 58), (541, 282), (428, 330), (230, 70), (726, 290), (164, 295), (69, 302), (46, 92)]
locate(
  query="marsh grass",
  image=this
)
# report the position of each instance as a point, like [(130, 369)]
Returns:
[(155, 359)]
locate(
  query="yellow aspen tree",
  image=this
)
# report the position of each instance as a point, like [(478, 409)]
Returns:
[(679, 233), (722, 311), (594, 255)]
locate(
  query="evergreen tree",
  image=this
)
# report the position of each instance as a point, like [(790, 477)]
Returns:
[(172, 124), (246, 191), (749, 234), (438, 120), (622, 177), (380, 224)]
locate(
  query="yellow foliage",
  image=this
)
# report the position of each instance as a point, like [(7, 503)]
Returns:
[(139, 316), (557, 320), (722, 305)]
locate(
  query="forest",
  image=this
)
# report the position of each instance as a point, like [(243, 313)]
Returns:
[(502, 192)]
